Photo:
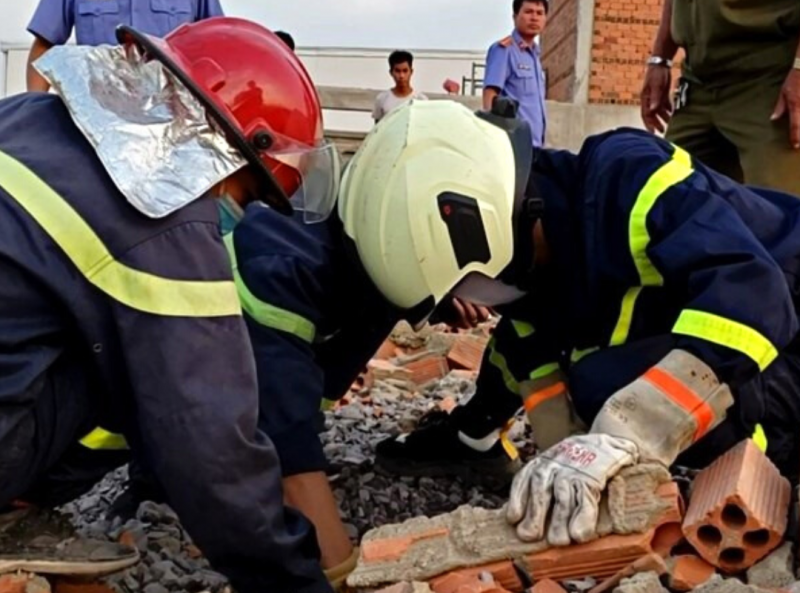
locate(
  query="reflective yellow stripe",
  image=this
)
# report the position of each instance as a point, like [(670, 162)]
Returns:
[(726, 332), (264, 313), (544, 370), (670, 174), (136, 289), (623, 327), (760, 438), (523, 328), (577, 355), (499, 361), (100, 438), (327, 404)]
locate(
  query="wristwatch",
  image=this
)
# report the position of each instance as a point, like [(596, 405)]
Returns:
[(659, 61)]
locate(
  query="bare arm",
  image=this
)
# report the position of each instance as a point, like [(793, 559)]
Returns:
[(664, 46), (34, 79), (488, 96)]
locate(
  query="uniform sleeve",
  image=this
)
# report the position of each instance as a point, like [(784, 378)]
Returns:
[(524, 346), (669, 223), (496, 71), (738, 313), (53, 20), (194, 384), (209, 8), (281, 302)]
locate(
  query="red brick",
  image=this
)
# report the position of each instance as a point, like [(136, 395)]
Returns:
[(466, 353), (689, 572), (455, 582), (381, 550), (599, 559), (666, 538), (738, 509), (649, 563), (547, 586), (23, 583), (386, 351), (382, 369), (426, 369)]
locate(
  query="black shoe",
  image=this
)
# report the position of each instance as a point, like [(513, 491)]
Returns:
[(45, 542), (434, 449)]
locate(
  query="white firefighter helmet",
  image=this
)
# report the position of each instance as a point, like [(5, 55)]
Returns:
[(429, 201)]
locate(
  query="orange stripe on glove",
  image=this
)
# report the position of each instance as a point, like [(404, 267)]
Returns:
[(683, 397)]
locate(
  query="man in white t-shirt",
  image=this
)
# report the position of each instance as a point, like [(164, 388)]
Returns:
[(401, 68)]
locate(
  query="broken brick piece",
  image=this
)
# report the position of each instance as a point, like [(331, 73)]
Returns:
[(502, 572), (381, 550), (427, 368), (455, 582), (599, 559), (23, 583), (649, 563), (380, 370), (467, 352), (547, 586), (738, 510), (689, 572), (667, 536), (386, 351)]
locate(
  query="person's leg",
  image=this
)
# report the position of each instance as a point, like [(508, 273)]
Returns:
[(692, 128), (743, 117), (43, 464)]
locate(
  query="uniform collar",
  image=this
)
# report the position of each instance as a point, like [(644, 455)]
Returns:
[(520, 42)]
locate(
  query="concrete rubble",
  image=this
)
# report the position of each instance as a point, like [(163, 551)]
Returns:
[(425, 535)]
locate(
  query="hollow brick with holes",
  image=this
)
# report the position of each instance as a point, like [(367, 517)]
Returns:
[(738, 509)]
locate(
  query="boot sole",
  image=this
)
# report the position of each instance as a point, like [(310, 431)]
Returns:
[(68, 567), (492, 473)]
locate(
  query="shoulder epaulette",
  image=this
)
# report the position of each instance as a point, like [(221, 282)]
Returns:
[(506, 41)]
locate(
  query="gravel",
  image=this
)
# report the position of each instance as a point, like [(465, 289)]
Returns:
[(367, 499)]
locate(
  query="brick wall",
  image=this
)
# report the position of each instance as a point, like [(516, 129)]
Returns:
[(559, 49), (621, 41)]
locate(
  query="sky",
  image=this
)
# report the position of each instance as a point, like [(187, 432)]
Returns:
[(412, 24)]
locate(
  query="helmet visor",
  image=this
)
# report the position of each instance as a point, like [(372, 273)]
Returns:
[(319, 172), (486, 292)]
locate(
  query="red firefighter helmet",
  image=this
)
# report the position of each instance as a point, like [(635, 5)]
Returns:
[(259, 94)]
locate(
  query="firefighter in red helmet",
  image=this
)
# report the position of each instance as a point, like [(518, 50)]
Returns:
[(120, 327)]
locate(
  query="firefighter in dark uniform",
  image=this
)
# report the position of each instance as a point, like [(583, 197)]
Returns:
[(120, 325), (659, 317)]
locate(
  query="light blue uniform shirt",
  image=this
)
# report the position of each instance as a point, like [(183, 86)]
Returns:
[(516, 70), (94, 21)]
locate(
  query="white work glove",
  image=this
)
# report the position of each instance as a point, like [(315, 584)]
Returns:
[(570, 476), (549, 409), (655, 418)]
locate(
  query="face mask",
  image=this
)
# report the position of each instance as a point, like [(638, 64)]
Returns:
[(230, 213)]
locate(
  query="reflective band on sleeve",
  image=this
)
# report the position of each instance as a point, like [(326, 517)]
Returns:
[(100, 438), (499, 362), (523, 328), (727, 332), (577, 354), (136, 289), (623, 327), (536, 398), (684, 397), (671, 173), (760, 438), (264, 313), (544, 370)]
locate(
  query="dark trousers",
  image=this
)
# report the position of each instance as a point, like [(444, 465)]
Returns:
[(771, 399), (41, 459)]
